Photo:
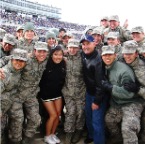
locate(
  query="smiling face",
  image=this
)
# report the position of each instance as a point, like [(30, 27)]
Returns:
[(88, 47), (29, 34), (7, 46), (138, 36), (18, 64), (108, 58), (113, 24), (57, 56), (40, 55), (73, 50), (130, 57)]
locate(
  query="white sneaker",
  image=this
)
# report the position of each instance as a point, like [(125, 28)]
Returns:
[(49, 140), (55, 138)]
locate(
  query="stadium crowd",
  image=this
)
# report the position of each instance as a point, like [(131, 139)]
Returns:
[(10, 20), (99, 78)]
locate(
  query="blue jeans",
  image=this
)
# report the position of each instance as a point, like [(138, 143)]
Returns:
[(95, 120)]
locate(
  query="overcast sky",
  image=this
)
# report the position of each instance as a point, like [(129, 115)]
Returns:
[(89, 12)]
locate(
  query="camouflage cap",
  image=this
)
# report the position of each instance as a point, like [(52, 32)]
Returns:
[(69, 34), (41, 46), (104, 18), (97, 30), (114, 17), (50, 35), (73, 43), (20, 28), (2, 33), (10, 39), (142, 49), (28, 26), (55, 30), (129, 47), (108, 50), (20, 54), (138, 29), (113, 35)]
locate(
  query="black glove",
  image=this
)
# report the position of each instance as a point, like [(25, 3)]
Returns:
[(107, 86), (131, 87)]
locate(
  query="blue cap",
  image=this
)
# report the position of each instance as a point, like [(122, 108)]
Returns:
[(86, 37)]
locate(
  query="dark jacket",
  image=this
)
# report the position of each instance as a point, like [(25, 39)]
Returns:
[(94, 73), (52, 80)]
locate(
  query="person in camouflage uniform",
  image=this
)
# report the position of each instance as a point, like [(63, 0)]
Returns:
[(12, 72), (113, 40), (2, 34), (97, 34), (27, 42), (8, 43), (50, 39), (131, 58), (125, 106), (142, 52), (104, 22), (114, 26), (19, 32), (26, 96), (138, 35), (65, 39), (74, 94)]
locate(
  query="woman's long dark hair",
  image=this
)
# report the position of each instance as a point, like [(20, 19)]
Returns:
[(50, 64)]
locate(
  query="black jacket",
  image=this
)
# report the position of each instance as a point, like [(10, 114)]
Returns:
[(52, 80), (94, 73)]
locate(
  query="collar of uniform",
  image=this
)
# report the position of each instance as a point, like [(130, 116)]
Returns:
[(135, 62)]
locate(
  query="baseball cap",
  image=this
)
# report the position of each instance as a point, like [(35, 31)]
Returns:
[(20, 28), (138, 29), (129, 47), (73, 43), (104, 18), (113, 35), (40, 46), (86, 37), (108, 50), (97, 30), (10, 39), (114, 17), (20, 54)]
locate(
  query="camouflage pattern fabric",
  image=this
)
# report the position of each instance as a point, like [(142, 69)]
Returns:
[(74, 94), (26, 96), (129, 116)]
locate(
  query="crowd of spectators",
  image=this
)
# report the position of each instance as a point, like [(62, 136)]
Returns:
[(10, 20)]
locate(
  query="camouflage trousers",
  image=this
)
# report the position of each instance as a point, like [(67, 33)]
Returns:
[(75, 115), (143, 125), (16, 118), (129, 116)]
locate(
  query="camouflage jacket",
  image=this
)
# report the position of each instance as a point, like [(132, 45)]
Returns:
[(31, 76), (138, 67), (10, 82), (99, 47), (118, 51), (23, 44), (140, 44), (74, 83), (124, 34)]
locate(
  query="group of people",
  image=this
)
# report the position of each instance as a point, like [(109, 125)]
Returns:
[(100, 79)]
